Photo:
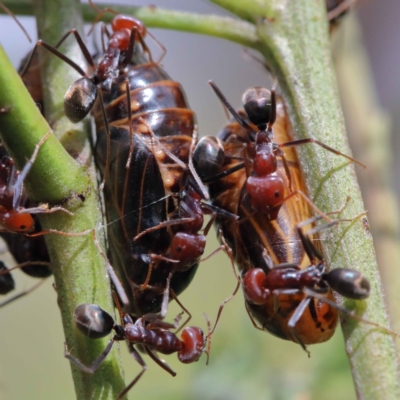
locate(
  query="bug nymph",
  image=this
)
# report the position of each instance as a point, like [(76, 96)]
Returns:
[(145, 167), (145, 130)]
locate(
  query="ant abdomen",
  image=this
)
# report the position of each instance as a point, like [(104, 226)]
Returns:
[(193, 345), (208, 157)]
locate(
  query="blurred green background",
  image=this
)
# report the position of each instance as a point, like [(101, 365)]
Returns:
[(244, 363)]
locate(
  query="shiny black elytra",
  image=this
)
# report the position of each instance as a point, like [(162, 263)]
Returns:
[(154, 337)]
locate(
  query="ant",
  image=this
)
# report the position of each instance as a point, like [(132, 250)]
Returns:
[(153, 336), (296, 303), (264, 186)]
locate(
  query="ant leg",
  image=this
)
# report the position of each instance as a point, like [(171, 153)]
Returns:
[(246, 305), (159, 361), (163, 49), (113, 276), (225, 173), (209, 336), (164, 224), (18, 187), (22, 294), (280, 153), (60, 55), (129, 107), (100, 13), (200, 186), (26, 264), (175, 297), (96, 363), (228, 299), (339, 9), (310, 203), (138, 358), (309, 247), (295, 318), (323, 145), (43, 209), (8, 11), (145, 47), (108, 141), (344, 310), (210, 223), (164, 149), (211, 209), (226, 103)]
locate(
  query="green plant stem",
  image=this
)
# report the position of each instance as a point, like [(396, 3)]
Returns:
[(56, 178), (77, 266), (296, 44), (88, 275), (232, 29), (372, 144)]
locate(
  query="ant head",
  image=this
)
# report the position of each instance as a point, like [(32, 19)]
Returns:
[(258, 103), (93, 321)]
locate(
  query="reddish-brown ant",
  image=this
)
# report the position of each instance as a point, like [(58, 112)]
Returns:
[(297, 304), (264, 187), (154, 336)]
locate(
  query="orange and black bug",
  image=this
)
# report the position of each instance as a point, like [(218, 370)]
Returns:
[(266, 237)]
